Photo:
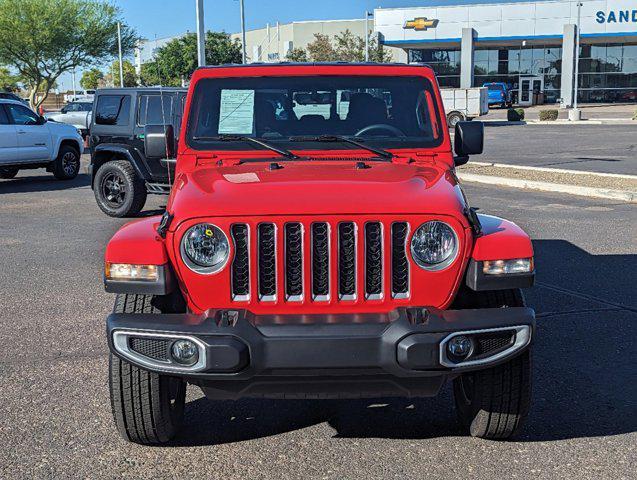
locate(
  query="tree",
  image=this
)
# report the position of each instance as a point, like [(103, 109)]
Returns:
[(349, 47), (8, 81), (297, 55), (177, 59), (345, 47), (91, 79), (130, 75), (149, 75), (321, 49), (42, 39)]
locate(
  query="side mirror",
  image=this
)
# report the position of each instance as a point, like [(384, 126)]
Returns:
[(468, 140), (159, 141), (64, 110), (42, 120)]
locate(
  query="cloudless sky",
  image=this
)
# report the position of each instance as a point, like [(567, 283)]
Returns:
[(165, 18)]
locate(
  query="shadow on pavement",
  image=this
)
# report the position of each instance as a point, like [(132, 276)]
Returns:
[(42, 183), (585, 380)]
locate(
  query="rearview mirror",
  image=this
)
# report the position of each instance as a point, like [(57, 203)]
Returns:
[(159, 141), (468, 140)]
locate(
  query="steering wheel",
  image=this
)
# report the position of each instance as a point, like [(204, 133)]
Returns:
[(381, 126)]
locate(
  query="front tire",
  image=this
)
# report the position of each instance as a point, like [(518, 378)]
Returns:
[(148, 408), (119, 192), (494, 403), (67, 164), (7, 173)]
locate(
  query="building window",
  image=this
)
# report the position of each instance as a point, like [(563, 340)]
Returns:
[(608, 73)]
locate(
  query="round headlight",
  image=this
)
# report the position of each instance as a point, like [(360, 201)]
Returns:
[(434, 245), (204, 248)]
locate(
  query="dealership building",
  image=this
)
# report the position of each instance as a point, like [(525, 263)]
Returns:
[(528, 45)]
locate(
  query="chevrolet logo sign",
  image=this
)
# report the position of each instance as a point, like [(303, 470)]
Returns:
[(420, 24)]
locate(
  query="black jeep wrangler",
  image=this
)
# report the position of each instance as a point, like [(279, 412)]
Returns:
[(123, 170)]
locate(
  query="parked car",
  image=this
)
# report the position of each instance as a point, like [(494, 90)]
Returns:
[(499, 94), (295, 264), (77, 114), (28, 140), (123, 171), (12, 96)]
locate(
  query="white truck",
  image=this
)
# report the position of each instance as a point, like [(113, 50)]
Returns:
[(464, 103), (28, 140), (77, 114)]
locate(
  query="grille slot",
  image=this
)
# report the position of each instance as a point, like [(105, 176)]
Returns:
[(240, 264), (267, 262), (155, 348), (399, 262), (294, 262), (347, 261), (320, 261), (373, 260)]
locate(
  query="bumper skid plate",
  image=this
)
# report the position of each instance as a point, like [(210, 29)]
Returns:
[(239, 352)]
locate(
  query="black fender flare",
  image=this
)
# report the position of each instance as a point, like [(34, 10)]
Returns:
[(125, 151)]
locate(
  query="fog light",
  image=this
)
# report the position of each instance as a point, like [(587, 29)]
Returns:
[(501, 267), (459, 347), (185, 352)]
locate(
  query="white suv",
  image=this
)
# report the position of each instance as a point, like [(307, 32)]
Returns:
[(28, 140)]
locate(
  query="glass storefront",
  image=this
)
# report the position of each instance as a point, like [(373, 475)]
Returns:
[(608, 73)]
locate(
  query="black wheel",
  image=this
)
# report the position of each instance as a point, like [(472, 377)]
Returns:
[(67, 165), (118, 190), (453, 118), (493, 403), (148, 408), (8, 172)]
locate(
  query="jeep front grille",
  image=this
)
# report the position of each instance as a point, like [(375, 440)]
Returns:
[(318, 261)]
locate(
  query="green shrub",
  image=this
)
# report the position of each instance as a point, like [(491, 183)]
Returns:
[(548, 115), (515, 114)]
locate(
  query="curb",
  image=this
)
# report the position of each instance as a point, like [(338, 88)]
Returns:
[(600, 121), (554, 170), (622, 195)]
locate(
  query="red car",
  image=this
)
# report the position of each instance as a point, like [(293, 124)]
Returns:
[(317, 244)]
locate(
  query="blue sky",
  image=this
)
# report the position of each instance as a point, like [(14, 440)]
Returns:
[(163, 18)]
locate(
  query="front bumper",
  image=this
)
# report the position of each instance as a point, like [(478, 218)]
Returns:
[(320, 356)]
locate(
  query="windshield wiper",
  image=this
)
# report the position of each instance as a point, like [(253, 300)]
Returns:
[(256, 141), (338, 138)]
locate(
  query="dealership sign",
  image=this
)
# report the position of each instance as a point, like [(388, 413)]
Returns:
[(621, 16), (541, 19), (421, 23)]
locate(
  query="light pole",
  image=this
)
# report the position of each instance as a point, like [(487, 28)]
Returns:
[(575, 114), (367, 15), (119, 48), (201, 35), (243, 32)]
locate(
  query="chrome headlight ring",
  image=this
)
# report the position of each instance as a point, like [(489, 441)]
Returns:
[(205, 248), (434, 245)]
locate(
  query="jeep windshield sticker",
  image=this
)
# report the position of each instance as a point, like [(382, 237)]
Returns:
[(236, 112)]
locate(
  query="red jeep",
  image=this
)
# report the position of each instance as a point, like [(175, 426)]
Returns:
[(317, 244)]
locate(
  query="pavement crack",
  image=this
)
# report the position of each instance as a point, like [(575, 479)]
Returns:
[(586, 297), (577, 311)]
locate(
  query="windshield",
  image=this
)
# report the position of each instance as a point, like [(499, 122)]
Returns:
[(493, 86), (382, 112)]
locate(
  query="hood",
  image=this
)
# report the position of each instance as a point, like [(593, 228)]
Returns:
[(316, 188), (61, 128)]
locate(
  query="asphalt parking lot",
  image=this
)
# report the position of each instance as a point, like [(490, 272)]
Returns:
[(597, 148), (56, 419)]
